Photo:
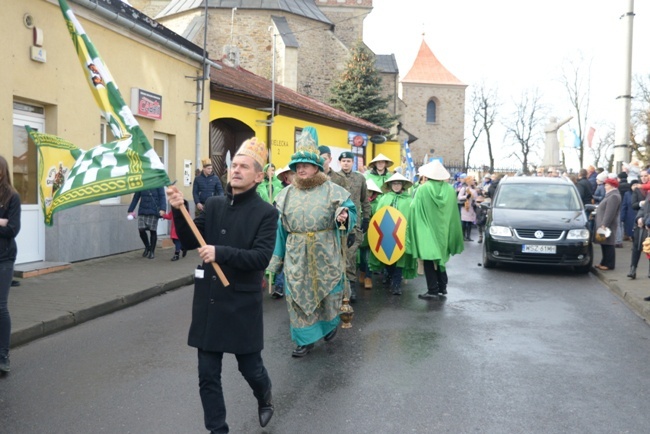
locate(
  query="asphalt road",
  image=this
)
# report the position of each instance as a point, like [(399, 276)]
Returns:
[(510, 350)]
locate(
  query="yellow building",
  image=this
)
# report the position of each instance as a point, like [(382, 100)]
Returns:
[(42, 85), (240, 108)]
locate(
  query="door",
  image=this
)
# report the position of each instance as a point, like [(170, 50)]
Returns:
[(161, 146), (31, 238)]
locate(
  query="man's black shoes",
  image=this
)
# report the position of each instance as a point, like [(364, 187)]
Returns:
[(428, 296), (328, 337), (15, 283), (265, 410), (302, 350)]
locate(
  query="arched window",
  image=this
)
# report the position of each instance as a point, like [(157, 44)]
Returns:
[(431, 112)]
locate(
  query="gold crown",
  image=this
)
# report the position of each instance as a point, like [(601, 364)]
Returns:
[(206, 162), (254, 149)]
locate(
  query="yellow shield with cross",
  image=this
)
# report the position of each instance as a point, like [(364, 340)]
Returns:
[(387, 235)]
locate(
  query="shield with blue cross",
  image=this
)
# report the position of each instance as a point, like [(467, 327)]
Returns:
[(387, 235)]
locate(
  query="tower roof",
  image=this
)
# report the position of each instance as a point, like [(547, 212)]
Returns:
[(427, 69)]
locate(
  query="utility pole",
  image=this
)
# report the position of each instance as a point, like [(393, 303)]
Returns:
[(624, 99)]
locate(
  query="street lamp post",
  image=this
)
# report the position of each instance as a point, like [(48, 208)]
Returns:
[(624, 99)]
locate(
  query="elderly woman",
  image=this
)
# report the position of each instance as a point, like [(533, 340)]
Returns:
[(314, 215), (607, 217)]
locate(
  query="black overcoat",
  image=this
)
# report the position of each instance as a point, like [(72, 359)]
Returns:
[(242, 228)]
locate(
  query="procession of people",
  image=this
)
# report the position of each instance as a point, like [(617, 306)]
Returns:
[(304, 226)]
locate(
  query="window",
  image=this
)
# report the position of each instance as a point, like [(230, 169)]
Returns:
[(431, 112)]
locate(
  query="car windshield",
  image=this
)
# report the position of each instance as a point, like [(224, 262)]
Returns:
[(543, 197)]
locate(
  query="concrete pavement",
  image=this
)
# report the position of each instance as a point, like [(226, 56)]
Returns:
[(49, 303)]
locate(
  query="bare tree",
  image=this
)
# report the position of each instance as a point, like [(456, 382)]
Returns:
[(604, 150), (576, 79), (484, 107), (640, 125), (526, 126)]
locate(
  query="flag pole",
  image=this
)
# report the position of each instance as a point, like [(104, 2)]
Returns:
[(199, 237)]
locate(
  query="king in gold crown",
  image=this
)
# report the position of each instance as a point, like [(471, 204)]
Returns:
[(256, 149)]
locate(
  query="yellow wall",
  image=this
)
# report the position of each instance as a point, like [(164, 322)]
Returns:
[(390, 149), (60, 86), (282, 132)]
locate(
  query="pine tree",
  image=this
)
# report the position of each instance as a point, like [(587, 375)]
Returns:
[(358, 90)]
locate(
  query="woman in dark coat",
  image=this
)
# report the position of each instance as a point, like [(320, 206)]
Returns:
[(607, 216), (9, 228), (152, 207)]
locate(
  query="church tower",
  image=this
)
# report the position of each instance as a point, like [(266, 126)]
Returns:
[(434, 109)]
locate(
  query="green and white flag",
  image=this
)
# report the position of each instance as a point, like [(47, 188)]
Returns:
[(70, 176)]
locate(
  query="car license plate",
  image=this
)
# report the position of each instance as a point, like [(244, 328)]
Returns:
[(537, 248)]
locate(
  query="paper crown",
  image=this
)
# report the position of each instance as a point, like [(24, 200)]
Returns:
[(256, 149), (206, 162), (307, 149)]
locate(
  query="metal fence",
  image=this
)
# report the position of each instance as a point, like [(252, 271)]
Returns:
[(455, 167)]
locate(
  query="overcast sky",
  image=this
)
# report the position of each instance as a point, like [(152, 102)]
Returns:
[(515, 44)]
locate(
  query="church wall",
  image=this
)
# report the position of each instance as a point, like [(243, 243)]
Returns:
[(446, 135)]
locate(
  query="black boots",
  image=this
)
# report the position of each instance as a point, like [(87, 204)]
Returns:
[(176, 257), (265, 409), (632, 273), (151, 250), (146, 252)]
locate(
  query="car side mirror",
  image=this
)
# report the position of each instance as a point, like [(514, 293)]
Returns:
[(485, 205), (590, 207)]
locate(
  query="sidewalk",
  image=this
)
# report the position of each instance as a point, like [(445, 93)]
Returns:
[(53, 302), (632, 291)]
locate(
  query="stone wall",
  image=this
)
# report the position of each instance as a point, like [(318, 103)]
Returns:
[(446, 135)]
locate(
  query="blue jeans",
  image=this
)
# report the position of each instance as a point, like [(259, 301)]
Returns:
[(251, 367), (6, 274), (279, 282)]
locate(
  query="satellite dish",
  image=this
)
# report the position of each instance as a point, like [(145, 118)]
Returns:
[(377, 139)]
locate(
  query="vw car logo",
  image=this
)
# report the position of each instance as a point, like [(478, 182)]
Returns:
[(539, 234)]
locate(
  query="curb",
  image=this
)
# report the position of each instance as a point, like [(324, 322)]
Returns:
[(71, 319), (640, 307)]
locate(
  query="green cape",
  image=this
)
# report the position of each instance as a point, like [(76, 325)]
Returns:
[(434, 230)]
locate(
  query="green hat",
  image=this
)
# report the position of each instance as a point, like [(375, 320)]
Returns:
[(346, 154), (307, 150), (324, 150)]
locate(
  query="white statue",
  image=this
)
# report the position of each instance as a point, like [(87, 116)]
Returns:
[(552, 145)]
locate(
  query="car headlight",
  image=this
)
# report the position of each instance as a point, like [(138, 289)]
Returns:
[(500, 231), (578, 234)]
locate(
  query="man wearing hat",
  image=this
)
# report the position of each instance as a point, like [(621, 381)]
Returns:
[(207, 184), (434, 231), (315, 214), (335, 177), (378, 169), (239, 230), (359, 195)]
